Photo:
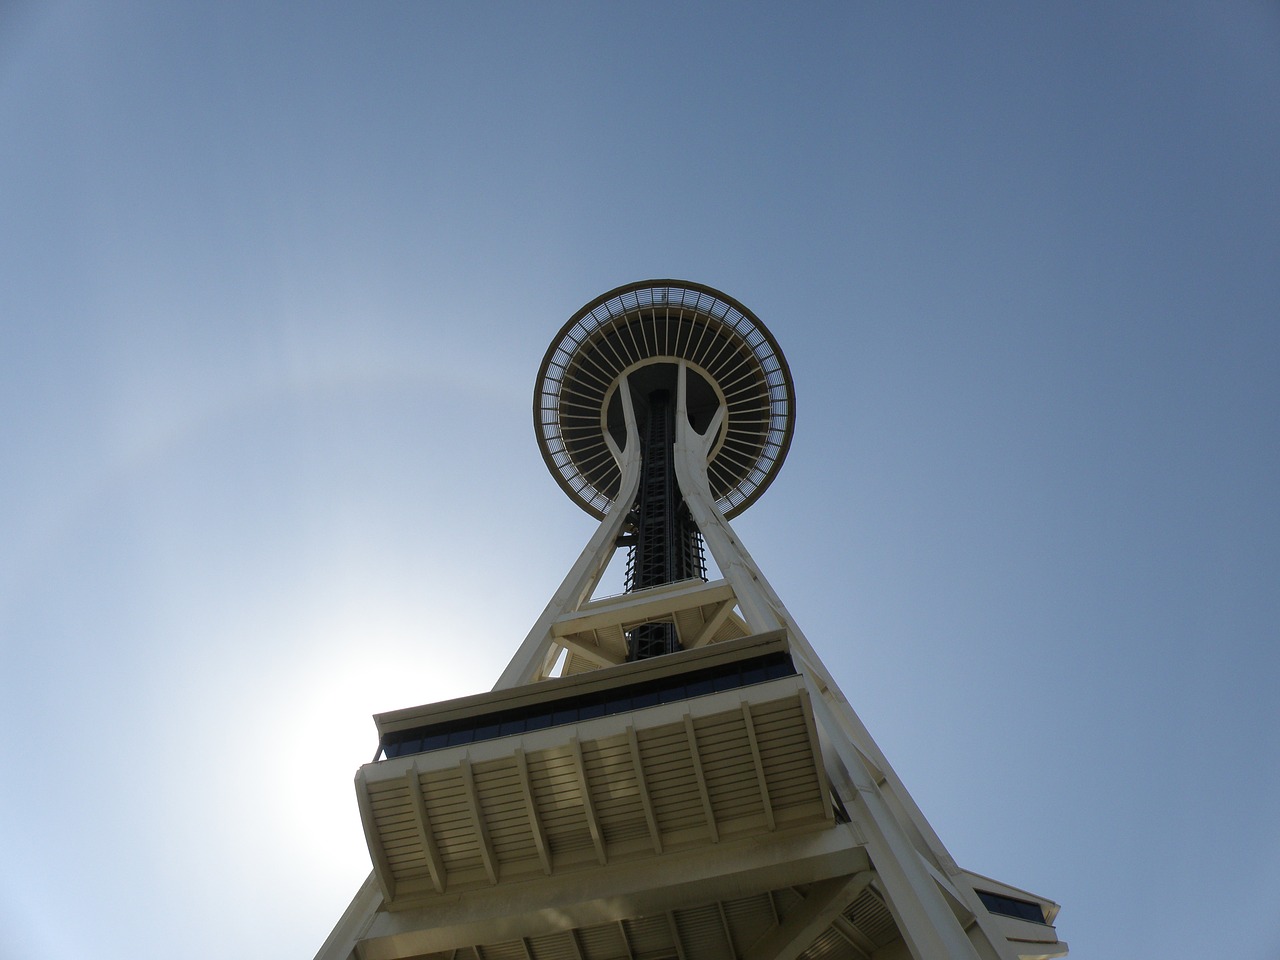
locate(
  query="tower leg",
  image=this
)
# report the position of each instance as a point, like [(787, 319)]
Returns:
[(530, 659), (926, 919)]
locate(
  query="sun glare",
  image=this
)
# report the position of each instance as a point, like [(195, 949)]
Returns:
[(324, 716)]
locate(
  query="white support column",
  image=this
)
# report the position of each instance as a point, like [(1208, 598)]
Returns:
[(692, 450), (576, 588), (354, 923), (926, 920)]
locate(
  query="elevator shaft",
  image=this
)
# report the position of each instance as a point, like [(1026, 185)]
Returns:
[(667, 544)]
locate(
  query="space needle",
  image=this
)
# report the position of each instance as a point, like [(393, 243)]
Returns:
[(670, 773)]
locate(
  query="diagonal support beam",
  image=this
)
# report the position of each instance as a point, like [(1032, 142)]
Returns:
[(860, 944), (714, 623), (377, 852), (535, 822), (646, 801), (758, 760), (477, 817), (589, 808), (802, 926), (435, 863), (582, 578), (597, 655), (726, 929), (675, 936), (702, 778), (815, 745), (626, 941)]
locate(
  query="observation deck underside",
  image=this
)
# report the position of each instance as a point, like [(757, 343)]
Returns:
[(642, 331)]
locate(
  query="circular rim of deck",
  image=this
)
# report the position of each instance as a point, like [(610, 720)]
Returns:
[(748, 452)]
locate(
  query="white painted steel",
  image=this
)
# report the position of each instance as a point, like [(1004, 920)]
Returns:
[(928, 923)]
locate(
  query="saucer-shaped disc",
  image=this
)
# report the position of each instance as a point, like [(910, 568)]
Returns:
[(642, 330)]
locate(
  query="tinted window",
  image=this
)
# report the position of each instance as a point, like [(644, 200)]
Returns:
[(683, 686), (1009, 907)]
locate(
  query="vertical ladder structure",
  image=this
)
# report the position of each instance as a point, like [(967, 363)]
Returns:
[(669, 774)]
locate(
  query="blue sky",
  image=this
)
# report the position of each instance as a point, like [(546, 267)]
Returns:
[(275, 280)]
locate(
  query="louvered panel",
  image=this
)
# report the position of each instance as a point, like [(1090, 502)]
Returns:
[(829, 945), (553, 779), (552, 946), (566, 836), (795, 764), (713, 931), (786, 751), (791, 789), (650, 938), (731, 629), (609, 759), (615, 791), (512, 840), (790, 793), (414, 869), (401, 843), (872, 917), (508, 950), (447, 819), (719, 727), (459, 851), (550, 771), (409, 867), (401, 819), (450, 820), (394, 817), (397, 829), (612, 638), (689, 622), (668, 771), (772, 711), (785, 901), (738, 811), (389, 791), (701, 930), (495, 774), (602, 942), (505, 814), (783, 739), (702, 934), (576, 663), (729, 769), (750, 918), (670, 784)]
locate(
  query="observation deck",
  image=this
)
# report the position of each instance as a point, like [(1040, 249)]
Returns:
[(645, 760), (640, 332)]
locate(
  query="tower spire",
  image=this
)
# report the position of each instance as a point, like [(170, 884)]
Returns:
[(671, 774)]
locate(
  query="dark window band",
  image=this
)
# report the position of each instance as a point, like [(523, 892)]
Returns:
[(587, 706), (1009, 907)]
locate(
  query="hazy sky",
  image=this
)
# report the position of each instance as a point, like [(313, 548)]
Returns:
[(275, 280)]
